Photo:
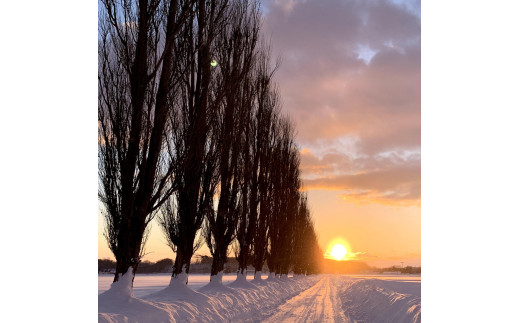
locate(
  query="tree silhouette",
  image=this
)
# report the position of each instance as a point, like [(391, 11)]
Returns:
[(194, 137), (137, 40), (190, 128), (234, 49)]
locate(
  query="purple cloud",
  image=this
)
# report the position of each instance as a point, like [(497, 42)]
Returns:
[(350, 78)]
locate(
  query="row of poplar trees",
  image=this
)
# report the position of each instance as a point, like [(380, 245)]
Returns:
[(191, 133)]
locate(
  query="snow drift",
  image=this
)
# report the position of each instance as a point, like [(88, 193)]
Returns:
[(322, 298), (374, 300), (218, 303)]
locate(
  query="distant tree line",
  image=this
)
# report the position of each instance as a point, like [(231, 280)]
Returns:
[(359, 267), (145, 267), (403, 270), (203, 265), (191, 133)]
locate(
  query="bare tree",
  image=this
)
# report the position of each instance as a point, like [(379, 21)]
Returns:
[(234, 50), (258, 136), (249, 190), (188, 112), (245, 222), (286, 184), (312, 254), (301, 223), (291, 186), (267, 132), (136, 46), (306, 250), (194, 139)]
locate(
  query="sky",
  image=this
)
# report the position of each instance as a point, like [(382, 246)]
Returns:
[(350, 78)]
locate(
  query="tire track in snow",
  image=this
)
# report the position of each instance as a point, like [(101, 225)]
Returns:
[(320, 303)]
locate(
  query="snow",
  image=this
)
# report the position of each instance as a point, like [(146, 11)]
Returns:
[(121, 288), (177, 290), (216, 279), (320, 303), (374, 300), (257, 280), (146, 284), (181, 278), (321, 298), (241, 282), (216, 304), (215, 285), (118, 304)]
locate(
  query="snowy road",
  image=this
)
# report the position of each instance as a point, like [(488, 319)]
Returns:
[(320, 298), (320, 303)]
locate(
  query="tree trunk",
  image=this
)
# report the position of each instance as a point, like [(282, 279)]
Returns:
[(181, 267), (219, 259), (243, 256)]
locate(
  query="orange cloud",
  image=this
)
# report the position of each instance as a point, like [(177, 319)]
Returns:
[(391, 178), (359, 117), (390, 198)]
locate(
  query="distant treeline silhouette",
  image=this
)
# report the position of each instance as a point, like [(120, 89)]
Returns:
[(203, 265), (403, 270), (359, 267), (145, 267), (191, 133)]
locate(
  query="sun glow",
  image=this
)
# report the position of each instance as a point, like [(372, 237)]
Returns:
[(338, 252), (338, 249)]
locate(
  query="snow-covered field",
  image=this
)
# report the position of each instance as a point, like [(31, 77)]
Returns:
[(322, 298), (145, 284)]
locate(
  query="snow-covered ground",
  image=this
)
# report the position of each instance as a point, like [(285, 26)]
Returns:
[(322, 298), (145, 284)]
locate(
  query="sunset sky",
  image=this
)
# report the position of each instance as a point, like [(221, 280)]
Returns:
[(350, 78)]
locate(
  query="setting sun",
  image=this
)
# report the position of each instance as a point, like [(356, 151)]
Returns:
[(338, 252), (338, 249)]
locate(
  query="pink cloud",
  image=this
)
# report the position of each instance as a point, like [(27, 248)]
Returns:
[(358, 119)]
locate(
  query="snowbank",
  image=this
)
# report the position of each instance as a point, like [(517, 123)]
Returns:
[(122, 288), (258, 281), (241, 282), (323, 298), (374, 300), (214, 302)]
